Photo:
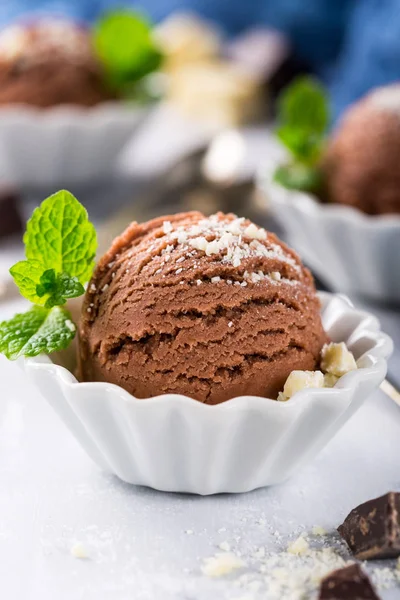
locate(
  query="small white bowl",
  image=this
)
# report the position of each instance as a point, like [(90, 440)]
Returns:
[(174, 443), (64, 144), (350, 251)]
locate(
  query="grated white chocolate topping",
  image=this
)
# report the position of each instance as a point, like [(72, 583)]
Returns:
[(234, 239), (33, 42), (228, 241)]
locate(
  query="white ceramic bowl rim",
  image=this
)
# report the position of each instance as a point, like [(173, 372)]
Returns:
[(375, 357), (77, 144), (311, 205), (75, 111)]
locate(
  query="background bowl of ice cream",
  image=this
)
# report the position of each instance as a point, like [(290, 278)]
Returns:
[(349, 251), (351, 242), (64, 116), (65, 144), (174, 443)]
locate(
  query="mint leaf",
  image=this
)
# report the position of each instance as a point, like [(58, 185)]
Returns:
[(124, 42), (58, 288), (27, 274), (303, 118), (304, 105), (60, 245), (44, 288), (60, 236), (39, 330), (47, 283), (305, 146), (299, 177)]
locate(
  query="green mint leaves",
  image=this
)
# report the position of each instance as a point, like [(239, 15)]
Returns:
[(125, 45), (296, 176), (45, 287), (60, 246), (37, 331), (27, 275), (58, 288), (303, 119), (60, 236)]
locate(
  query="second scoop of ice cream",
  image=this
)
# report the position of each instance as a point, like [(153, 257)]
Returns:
[(212, 308)]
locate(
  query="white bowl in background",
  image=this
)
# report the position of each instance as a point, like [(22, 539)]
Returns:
[(64, 144), (174, 443), (350, 251)]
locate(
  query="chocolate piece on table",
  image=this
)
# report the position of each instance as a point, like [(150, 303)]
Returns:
[(372, 530), (10, 218), (349, 583)]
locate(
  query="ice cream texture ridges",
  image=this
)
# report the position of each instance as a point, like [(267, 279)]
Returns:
[(212, 308)]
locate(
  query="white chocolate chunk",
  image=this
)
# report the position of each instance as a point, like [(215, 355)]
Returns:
[(337, 360), (275, 275), (212, 248), (318, 530), (79, 551), (330, 380), (300, 380), (200, 243), (253, 232), (225, 546), (222, 564), (299, 546), (167, 227)]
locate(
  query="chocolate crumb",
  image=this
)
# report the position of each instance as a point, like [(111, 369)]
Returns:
[(349, 583)]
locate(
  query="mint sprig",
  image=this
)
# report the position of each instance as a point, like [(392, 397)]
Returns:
[(124, 42), (60, 236), (58, 288), (60, 246), (37, 331), (303, 119)]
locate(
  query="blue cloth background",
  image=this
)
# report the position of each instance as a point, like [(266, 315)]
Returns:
[(353, 45)]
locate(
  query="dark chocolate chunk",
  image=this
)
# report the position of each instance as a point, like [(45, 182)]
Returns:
[(10, 217), (372, 530), (349, 583)]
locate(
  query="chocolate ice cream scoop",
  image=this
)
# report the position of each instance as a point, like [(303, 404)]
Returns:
[(361, 162), (212, 308), (49, 62)]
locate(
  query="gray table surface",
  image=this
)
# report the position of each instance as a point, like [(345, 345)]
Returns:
[(52, 496), (148, 545)]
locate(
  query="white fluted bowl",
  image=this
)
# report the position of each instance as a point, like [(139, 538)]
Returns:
[(350, 251), (174, 443), (64, 144)]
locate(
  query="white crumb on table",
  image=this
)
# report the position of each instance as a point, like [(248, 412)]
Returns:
[(318, 530), (225, 546), (222, 564), (299, 546), (78, 550)]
